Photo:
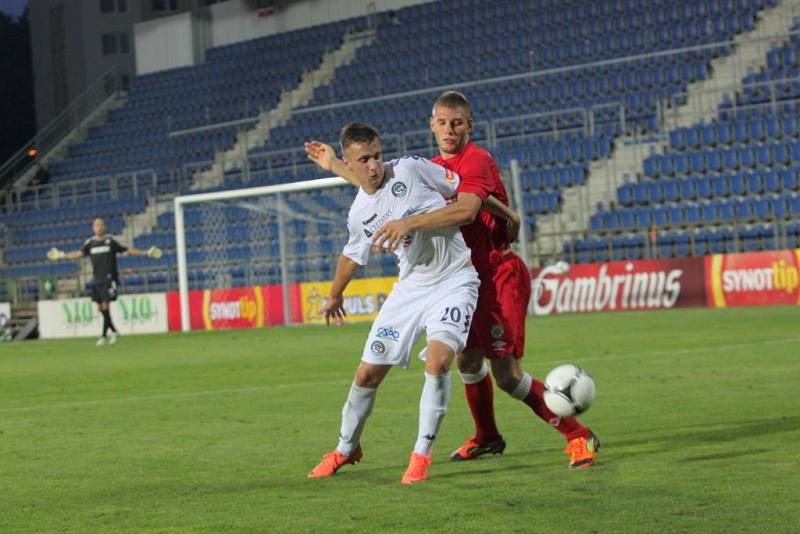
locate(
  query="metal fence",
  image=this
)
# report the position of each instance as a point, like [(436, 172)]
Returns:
[(52, 136)]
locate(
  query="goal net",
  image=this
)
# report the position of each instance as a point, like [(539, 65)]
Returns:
[(266, 255), (243, 254)]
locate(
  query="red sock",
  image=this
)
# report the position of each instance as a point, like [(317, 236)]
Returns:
[(480, 397), (569, 427)]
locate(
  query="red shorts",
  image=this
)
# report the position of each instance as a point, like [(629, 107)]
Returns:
[(498, 327)]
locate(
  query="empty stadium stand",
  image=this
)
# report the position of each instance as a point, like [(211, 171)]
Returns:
[(553, 83)]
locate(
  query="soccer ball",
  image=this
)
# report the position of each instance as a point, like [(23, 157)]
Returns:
[(569, 390)]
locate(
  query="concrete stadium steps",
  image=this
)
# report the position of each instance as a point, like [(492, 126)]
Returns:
[(299, 96), (749, 54)]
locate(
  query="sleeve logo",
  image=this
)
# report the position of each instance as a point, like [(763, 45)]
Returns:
[(377, 348)]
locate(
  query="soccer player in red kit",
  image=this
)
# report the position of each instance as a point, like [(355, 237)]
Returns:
[(498, 327)]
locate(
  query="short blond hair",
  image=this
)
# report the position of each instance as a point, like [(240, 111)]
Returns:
[(452, 99)]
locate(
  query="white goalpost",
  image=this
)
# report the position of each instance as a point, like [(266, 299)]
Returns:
[(214, 214)]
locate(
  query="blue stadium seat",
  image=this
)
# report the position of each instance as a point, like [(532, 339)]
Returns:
[(721, 185)]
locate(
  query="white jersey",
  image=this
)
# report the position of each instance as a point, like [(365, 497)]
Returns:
[(412, 185)]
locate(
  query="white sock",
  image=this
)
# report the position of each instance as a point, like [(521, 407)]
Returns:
[(469, 378), (354, 414), (432, 407), (523, 388)]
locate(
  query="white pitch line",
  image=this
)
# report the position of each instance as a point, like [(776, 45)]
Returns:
[(256, 389), (692, 350), (162, 396)]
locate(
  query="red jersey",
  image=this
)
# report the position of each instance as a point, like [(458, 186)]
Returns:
[(486, 236)]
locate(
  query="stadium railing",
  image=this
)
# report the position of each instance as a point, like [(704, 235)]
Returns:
[(105, 87), (87, 190)]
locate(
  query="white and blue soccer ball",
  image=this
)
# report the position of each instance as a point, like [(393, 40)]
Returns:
[(569, 390)]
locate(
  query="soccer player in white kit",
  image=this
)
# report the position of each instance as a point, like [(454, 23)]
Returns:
[(436, 293)]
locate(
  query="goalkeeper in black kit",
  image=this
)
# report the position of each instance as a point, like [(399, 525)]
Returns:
[(103, 250)]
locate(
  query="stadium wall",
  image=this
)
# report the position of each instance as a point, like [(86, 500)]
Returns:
[(168, 43), (238, 20)]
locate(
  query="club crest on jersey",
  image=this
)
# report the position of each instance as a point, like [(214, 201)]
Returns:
[(497, 331), (377, 348), (450, 176), (399, 189)]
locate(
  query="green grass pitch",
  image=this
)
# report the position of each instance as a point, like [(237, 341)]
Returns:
[(698, 412)]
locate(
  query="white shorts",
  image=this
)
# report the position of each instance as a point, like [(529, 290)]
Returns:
[(443, 311)]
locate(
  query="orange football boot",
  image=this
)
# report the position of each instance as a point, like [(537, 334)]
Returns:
[(472, 449), (583, 451), (417, 469), (333, 461)]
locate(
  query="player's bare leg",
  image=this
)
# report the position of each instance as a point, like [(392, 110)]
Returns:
[(355, 412), (480, 397), (582, 443), (432, 408)]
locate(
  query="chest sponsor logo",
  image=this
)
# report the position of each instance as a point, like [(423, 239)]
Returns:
[(374, 223)]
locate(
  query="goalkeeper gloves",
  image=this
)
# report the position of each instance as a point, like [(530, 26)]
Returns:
[(54, 254), (154, 252)]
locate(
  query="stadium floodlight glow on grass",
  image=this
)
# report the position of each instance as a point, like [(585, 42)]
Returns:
[(281, 213)]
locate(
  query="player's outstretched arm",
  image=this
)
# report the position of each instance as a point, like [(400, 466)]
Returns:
[(462, 211), (54, 254), (325, 157), (512, 218), (345, 271), (152, 252)]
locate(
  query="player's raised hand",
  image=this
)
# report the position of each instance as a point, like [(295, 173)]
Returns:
[(321, 154), (335, 308), (54, 254), (392, 234)]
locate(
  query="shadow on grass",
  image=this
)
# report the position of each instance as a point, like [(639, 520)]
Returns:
[(726, 432), (654, 445), (724, 455)]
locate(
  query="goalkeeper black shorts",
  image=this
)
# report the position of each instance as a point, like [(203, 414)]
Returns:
[(104, 291)]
